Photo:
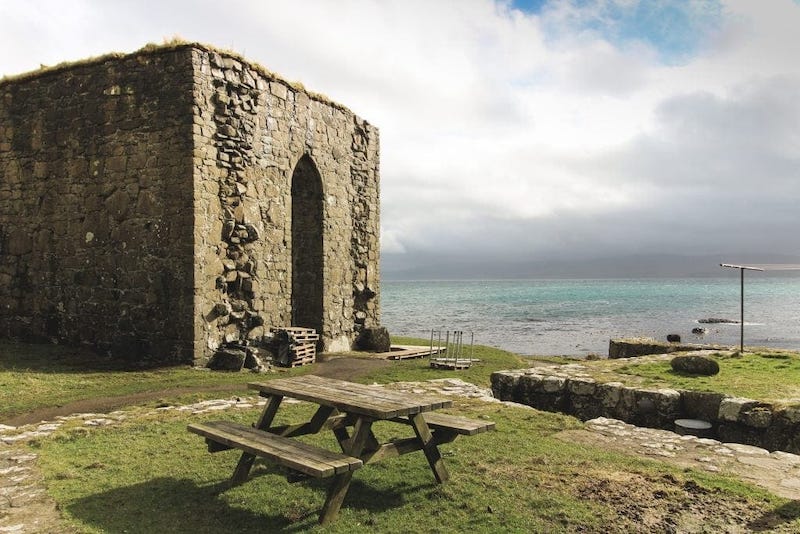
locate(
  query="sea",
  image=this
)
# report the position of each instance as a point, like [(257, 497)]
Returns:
[(579, 317)]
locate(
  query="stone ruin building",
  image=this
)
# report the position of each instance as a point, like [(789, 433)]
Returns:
[(161, 204)]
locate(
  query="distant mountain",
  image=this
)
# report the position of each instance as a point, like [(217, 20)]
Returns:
[(440, 267)]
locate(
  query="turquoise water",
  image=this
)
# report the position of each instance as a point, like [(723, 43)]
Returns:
[(577, 317)]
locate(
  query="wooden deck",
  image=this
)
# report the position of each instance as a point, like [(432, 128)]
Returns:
[(407, 352)]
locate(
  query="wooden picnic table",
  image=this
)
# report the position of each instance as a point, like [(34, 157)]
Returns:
[(349, 410)]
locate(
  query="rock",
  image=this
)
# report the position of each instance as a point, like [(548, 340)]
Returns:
[(582, 386), (695, 365), (252, 360), (702, 405), (699, 330), (673, 338), (227, 360), (374, 339), (713, 320), (757, 417), (731, 407)]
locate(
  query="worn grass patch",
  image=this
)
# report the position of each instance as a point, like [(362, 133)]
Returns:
[(35, 376), (765, 376), (151, 475)]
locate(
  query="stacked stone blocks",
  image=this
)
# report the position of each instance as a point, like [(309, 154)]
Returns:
[(146, 205), (569, 389)]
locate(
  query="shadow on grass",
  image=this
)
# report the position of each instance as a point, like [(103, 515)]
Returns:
[(49, 358), (774, 518), (181, 506)]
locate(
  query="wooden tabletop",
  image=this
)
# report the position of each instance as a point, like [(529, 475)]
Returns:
[(373, 401)]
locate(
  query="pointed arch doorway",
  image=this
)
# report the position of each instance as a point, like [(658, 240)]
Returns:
[(307, 245)]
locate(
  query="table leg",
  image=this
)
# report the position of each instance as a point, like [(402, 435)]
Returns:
[(429, 448), (264, 422), (341, 483)]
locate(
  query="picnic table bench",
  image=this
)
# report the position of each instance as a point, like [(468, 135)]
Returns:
[(349, 410)]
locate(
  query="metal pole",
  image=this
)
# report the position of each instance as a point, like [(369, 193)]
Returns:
[(741, 312), (471, 346), (741, 268)]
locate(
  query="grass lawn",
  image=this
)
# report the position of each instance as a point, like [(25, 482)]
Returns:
[(491, 359), (34, 376), (765, 376), (37, 376), (151, 475)]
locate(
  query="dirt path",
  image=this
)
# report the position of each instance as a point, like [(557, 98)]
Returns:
[(778, 472), (108, 404), (342, 368)]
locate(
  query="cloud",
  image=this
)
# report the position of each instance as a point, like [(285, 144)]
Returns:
[(527, 130)]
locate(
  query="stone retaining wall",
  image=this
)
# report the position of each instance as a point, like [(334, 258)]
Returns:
[(629, 348), (569, 389)]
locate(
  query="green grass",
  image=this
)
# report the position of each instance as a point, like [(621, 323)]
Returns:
[(764, 376), (40, 376), (491, 359), (34, 376), (151, 475), (148, 474)]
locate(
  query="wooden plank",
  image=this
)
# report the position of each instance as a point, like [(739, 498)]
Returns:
[(262, 446), (284, 451), (429, 448), (406, 352), (295, 450), (338, 490), (350, 397), (450, 363), (306, 388), (459, 425), (332, 392), (316, 424), (264, 421)]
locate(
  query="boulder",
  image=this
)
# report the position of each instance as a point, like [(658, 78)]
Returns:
[(227, 360), (695, 365), (699, 330), (374, 339), (673, 338)]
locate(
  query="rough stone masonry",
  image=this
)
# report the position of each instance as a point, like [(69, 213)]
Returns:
[(160, 204)]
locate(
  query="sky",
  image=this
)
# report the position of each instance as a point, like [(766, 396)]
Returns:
[(517, 132)]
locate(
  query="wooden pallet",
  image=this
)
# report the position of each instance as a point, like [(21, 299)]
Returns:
[(298, 333), (301, 348), (451, 363)]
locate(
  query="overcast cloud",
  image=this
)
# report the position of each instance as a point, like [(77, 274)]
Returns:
[(565, 130)]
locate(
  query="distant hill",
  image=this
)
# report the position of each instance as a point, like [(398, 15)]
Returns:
[(438, 267)]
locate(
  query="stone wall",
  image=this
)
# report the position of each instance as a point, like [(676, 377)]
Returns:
[(150, 204), (569, 389), (642, 346), (274, 164), (96, 205)]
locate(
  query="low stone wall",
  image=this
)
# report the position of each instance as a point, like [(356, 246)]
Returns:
[(631, 347), (569, 389)]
